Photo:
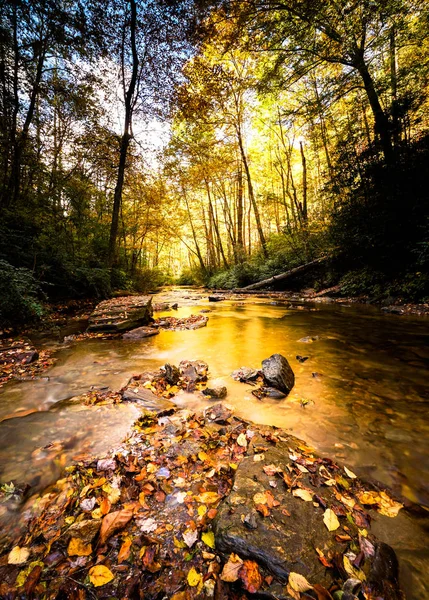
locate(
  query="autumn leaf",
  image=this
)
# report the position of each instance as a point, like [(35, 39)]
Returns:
[(242, 440), (202, 509), (330, 520), (125, 551), (77, 547), (208, 497), (385, 505), (231, 569), (114, 522), (18, 556), (260, 498), (250, 576), (351, 570), (303, 494), (194, 578), (100, 575), (350, 473), (263, 509), (298, 582), (208, 538), (190, 536)]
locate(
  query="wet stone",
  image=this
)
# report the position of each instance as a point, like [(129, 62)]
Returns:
[(244, 374), (172, 374), (218, 413), (121, 314), (193, 370), (216, 390), (140, 333), (278, 373), (147, 400)]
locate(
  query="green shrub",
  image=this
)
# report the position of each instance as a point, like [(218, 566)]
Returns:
[(20, 295)]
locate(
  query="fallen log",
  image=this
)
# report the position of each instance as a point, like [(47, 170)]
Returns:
[(282, 276)]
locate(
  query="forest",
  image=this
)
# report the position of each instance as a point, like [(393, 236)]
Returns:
[(212, 143)]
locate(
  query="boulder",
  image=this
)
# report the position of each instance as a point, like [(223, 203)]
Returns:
[(140, 333), (216, 298), (278, 373), (121, 314), (268, 520)]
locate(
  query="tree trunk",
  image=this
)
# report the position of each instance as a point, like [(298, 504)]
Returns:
[(251, 194), (126, 137), (381, 121)]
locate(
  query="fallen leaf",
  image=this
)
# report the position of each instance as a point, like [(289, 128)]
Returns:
[(125, 551), (271, 470), (263, 509), (242, 440), (303, 494), (114, 522), (203, 456), (208, 538), (298, 582), (78, 547), (250, 576), (18, 556), (330, 520), (202, 509), (194, 578), (258, 457), (148, 525), (351, 570), (231, 569), (260, 498), (350, 473), (208, 497), (100, 575), (321, 592), (190, 536), (385, 505)]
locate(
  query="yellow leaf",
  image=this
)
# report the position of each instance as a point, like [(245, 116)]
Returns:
[(242, 440), (24, 573), (299, 583), (77, 547), (18, 556), (330, 520), (208, 538), (208, 497), (385, 505), (69, 520), (97, 513), (202, 510), (303, 494), (194, 577), (353, 571), (350, 473), (179, 543), (260, 498), (100, 575), (114, 495), (233, 466), (203, 456)]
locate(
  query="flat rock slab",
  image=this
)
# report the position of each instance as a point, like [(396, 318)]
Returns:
[(140, 333), (147, 400), (174, 324), (121, 314), (267, 519)]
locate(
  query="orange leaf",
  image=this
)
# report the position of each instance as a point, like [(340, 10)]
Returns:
[(105, 506), (250, 576), (114, 522), (125, 550), (263, 509)]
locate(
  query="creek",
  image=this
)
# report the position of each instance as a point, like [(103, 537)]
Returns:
[(361, 396)]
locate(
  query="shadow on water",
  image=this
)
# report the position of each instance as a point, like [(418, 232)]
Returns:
[(361, 396)]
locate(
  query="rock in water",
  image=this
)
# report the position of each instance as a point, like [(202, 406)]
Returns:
[(216, 389), (245, 374), (147, 400), (193, 370), (140, 333), (278, 373), (121, 314), (172, 374), (218, 413)]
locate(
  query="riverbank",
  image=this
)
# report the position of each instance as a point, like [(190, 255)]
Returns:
[(200, 505)]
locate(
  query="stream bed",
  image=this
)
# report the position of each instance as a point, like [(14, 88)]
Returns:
[(360, 397)]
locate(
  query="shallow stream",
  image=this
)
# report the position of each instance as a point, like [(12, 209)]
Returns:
[(361, 397)]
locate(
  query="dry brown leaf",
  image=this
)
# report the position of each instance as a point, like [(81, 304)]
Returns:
[(114, 522), (231, 569), (298, 582)]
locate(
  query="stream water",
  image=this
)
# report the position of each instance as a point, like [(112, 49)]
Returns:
[(361, 396)]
